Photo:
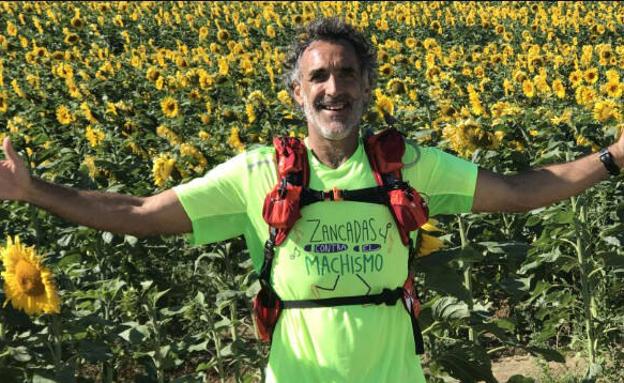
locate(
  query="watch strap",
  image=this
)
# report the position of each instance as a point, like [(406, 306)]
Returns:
[(607, 160)]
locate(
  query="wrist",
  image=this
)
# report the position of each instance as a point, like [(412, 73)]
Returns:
[(608, 161), (617, 154), (29, 190)]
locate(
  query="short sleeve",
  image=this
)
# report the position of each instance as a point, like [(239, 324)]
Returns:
[(215, 203), (445, 181)]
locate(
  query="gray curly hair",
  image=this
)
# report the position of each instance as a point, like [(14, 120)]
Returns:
[(330, 29)]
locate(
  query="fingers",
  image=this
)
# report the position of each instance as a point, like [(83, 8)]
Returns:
[(9, 152)]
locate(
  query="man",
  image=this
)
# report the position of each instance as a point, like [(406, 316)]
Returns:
[(331, 74)]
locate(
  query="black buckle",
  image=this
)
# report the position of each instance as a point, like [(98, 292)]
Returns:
[(387, 297), (283, 187), (269, 248)]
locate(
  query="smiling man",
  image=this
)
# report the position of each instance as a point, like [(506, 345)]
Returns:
[(337, 248)]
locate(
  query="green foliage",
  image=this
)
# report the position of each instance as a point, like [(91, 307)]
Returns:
[(155, 310)]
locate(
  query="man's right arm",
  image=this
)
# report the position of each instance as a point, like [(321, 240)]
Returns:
[(140, 216)]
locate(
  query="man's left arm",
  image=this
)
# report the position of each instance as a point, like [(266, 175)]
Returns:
[(540, 187)]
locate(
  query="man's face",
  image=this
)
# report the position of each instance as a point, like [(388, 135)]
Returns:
[(331, 89)]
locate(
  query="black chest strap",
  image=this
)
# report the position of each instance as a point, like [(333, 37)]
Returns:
[(387, 296)]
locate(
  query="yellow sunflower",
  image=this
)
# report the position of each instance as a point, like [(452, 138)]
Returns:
[(4, 102), (28, 284), (575, 78), (396, 86), (427, 242), (591, 75), (386, 70), (169, 107), (558, 88), (528, 89), (161, 169), (612, 89), (383, 104), (606, 109), (234, 140), (63, 115)]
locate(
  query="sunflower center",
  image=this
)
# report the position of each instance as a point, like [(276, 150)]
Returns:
[(29, 279)]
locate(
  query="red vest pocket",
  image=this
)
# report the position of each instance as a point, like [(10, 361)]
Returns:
[(409, 209)]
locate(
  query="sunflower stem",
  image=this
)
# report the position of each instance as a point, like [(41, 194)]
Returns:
[(54, 328), (586, 287), (467, 275)]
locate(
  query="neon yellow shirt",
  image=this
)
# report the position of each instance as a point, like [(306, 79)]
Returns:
[(336, 249)]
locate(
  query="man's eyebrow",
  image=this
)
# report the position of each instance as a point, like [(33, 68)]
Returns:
[(345, 69), (316, 72)]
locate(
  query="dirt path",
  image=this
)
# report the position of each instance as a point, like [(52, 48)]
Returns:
[(529, 366)]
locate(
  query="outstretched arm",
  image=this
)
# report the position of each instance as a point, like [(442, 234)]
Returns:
[(118, 213), (540, 187)]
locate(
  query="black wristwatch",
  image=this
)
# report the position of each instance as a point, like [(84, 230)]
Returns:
[(607, 161)]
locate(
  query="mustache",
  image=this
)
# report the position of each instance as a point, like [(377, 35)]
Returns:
[(336, 100)]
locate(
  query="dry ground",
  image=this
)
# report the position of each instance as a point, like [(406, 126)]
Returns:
[(530, 366)]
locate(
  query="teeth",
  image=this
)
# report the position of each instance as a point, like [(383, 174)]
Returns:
[(334, 107)]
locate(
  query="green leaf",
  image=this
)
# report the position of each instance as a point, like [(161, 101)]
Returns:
[(200, 298), (227, 350), (69, 260), (223, 323), (94, 351), (131, 240), (65, 240), (592, 373), (516, 287), (446, 280), (226, 296), (615, 229), (564, 217), (199, 346), (468, 363), (20, 354), (107, 237), (449, 308), (492, 328), (135, 334), (43, 378), (156, 297), (469, 254), (611, 240), (505, 324), (548, 354), (614, 260), (520, 379)]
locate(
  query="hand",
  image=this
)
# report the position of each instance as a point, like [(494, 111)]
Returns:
[(15, 178)]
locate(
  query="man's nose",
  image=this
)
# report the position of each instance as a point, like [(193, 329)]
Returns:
[(333, 85)]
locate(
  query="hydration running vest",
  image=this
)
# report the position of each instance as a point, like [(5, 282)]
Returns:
[(282, 208)]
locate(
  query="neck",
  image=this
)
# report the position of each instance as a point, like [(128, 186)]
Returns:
[(333, 153)]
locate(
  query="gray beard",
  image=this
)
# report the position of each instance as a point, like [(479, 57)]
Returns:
[(313, 117)]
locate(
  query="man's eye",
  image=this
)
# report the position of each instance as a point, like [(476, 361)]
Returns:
[(318, 77)]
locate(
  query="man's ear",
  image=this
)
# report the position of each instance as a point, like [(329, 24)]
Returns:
[(296, 91)]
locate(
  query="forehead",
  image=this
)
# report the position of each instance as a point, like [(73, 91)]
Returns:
[(323, 54)]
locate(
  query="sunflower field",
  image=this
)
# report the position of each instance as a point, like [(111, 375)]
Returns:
[(138, 97)]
